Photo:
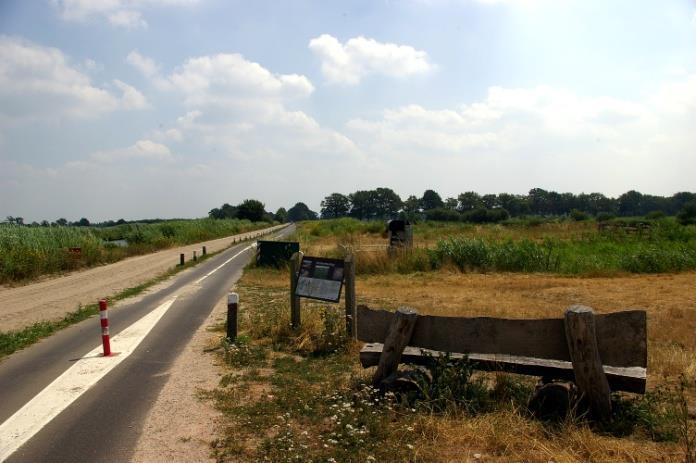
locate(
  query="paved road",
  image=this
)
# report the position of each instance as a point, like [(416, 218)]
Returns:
[(103, 425)]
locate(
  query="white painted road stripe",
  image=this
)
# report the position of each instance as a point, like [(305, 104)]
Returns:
[(224, 263), (75, 381)]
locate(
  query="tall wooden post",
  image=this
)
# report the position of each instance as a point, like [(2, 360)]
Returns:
[(294, 299), (351, 315), (397, 339), (587, 365)]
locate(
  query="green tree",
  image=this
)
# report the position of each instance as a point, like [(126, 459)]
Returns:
[(387, 203), (281, 215), (62, 222), (226, 211), (489, 201), (335, 205), (83, 222), (452, 204), (381, 203), (299, 212), (514, 204), (630, 203), (539, 202), (469, 200), (431, 200), (251, 209)]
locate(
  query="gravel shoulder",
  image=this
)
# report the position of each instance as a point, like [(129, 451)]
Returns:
[(180, 424), (53, 298)]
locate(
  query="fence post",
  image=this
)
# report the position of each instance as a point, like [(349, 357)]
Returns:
[(104, 321), (397, 339), (181, 259), (351, 315), (587, 365), (232, 308), (294, 299)]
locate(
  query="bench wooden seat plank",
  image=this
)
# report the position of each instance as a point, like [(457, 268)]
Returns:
[(629, 379)]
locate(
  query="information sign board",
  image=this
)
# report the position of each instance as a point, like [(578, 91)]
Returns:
[(320, 278)]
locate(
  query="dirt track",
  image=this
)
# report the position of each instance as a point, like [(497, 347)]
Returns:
[(52, 298)]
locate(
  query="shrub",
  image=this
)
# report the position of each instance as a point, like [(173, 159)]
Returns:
[(655, 215), (605, 216), (443, 215), (687, 215), (578, 215)]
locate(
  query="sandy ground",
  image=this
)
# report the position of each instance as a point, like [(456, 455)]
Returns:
[(180, 425), (52, 298)]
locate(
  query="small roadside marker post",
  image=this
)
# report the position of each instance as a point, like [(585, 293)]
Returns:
[(232, 307), (194, 256), (104, 320), (205, 251), (181, 259)]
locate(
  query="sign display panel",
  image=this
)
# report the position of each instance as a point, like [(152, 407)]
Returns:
[(320, 278)]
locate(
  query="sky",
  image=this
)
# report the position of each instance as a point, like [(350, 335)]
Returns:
[(167, 108)]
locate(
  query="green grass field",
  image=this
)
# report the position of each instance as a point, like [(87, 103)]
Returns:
[(563, 247), (29, 252)]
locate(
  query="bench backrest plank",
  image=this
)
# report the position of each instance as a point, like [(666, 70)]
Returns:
[(621, 336)]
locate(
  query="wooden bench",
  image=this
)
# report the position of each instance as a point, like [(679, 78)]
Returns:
[(600, 353)]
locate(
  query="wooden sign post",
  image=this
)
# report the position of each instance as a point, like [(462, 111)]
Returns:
[(351, 315), (294, 298), (323, 278)]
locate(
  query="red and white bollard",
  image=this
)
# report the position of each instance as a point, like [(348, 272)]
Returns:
[(104, 319)]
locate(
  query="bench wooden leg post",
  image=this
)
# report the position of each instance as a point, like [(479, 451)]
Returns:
[(397, 339), (587, 365)]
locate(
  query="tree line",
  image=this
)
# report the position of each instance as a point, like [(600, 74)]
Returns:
[(384, 203), (470, 206)]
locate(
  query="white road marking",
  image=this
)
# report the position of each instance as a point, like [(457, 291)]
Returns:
[(224, 263), (253, 245), (76, 380)]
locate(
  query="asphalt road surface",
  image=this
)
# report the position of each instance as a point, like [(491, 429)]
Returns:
[(104, 423)]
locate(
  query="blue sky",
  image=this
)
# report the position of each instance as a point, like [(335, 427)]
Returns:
[(168, 108)]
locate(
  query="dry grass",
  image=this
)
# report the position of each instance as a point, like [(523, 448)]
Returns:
[(507, 435)]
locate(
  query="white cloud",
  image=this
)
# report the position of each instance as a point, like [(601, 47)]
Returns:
[(119, 13), (38, 82), (142, 149), (240, 108), (145, 65), (230, 78), (128, 19), (348, 63), (541, 136)]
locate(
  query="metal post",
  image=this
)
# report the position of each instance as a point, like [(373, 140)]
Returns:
[(104, 321), (232, 307)]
